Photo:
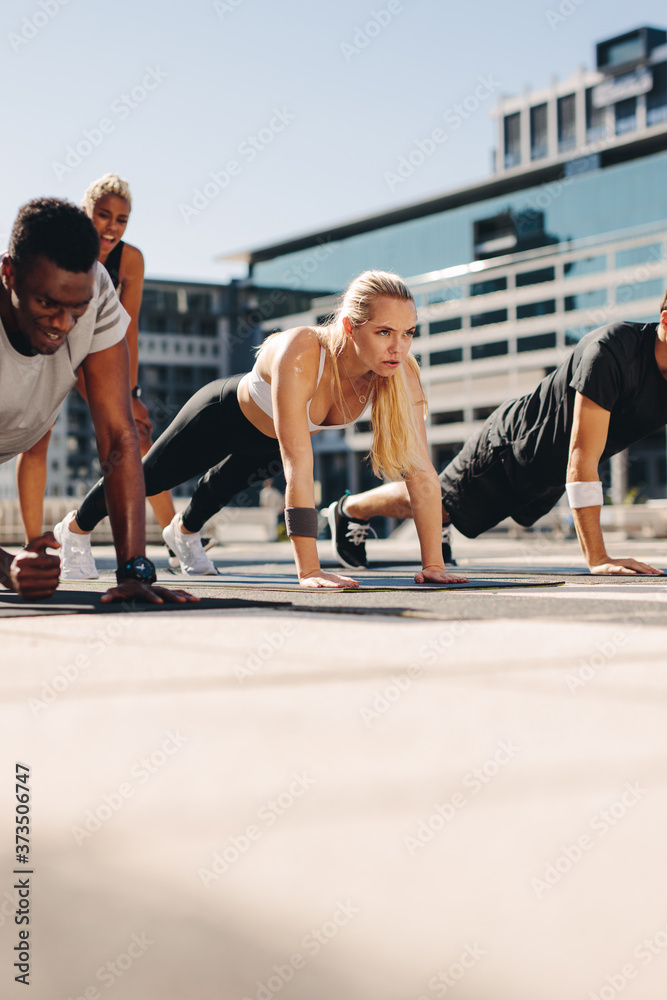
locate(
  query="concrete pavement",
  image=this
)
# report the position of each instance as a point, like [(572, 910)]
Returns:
[(393, 794)]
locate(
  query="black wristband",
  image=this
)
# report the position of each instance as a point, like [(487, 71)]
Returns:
[(301, 521)]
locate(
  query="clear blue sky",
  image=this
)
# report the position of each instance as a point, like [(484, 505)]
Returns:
[(312, 117)]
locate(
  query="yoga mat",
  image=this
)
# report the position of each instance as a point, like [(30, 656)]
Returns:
[(251, 581), (87, 602)]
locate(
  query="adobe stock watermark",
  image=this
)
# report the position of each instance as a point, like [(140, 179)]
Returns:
[(364, 34), (473, 782), (401, 683), (8, 906), (268, 814), (247, 150), (600, 824), (270, 644), (565, 9), (113, 970), (224, 7), (454, 117), (645, 952), (296, 274), (120, 110), (446, 979), (31, 26), (551, 191), (96, 642), (605, 652), (623, 292), (311, 943), (140, 773)]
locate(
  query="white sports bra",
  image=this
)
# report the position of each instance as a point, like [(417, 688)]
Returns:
[(260, 393)]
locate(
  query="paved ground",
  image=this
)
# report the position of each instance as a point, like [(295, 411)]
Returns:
[(392, 794)]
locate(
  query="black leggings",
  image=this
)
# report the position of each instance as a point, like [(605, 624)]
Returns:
[(209, 435)]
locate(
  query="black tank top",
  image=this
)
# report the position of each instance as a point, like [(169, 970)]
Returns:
[(112, 263)]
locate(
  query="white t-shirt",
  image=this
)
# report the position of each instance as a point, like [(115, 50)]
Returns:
[(32, 389)]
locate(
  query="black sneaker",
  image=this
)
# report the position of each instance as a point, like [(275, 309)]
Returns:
[(447, 556), (348, 537)]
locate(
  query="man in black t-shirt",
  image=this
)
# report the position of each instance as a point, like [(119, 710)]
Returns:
[(609, 393)]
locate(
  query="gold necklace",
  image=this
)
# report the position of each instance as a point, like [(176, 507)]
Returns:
[(362, 399)]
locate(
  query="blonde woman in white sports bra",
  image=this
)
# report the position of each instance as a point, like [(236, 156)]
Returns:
[(236, 430)]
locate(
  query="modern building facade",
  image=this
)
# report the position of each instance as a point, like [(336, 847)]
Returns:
[(569, 233)]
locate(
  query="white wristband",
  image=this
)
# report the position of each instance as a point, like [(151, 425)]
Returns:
[(584, 494)]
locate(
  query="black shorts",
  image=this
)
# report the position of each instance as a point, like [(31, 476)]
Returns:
[(484, 484)]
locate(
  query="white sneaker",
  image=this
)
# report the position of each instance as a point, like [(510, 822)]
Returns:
[(76, 556), (206, 544), (189, 550)]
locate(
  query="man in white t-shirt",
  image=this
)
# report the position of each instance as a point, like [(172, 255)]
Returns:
[(59, 312)]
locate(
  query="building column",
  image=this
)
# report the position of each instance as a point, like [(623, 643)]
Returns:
[(641, 112), (552, 126), (619, 477), (525, 135), (580, 116)]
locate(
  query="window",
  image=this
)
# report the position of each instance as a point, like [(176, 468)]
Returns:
[(445, 325), (200, 302), (595, 127), (444, 294), (641, 290), (639, 255), (618, 51), (586, 300), (450, 357), (492, 350), (539, 140), (567, 135), (538, 342), (626, 116), (153, 324), (485, 319), (208, 327), (656, 99), (488, 286), (512, 140), (482, 412), (587, 265), (535, 277), (536, 309), (450, 417), (158, 298)]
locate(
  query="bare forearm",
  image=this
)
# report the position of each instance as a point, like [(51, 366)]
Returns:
[(589, 533), (125, 494), (426, 501)]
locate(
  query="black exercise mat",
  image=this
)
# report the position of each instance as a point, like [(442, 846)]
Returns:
[(87, 602)]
